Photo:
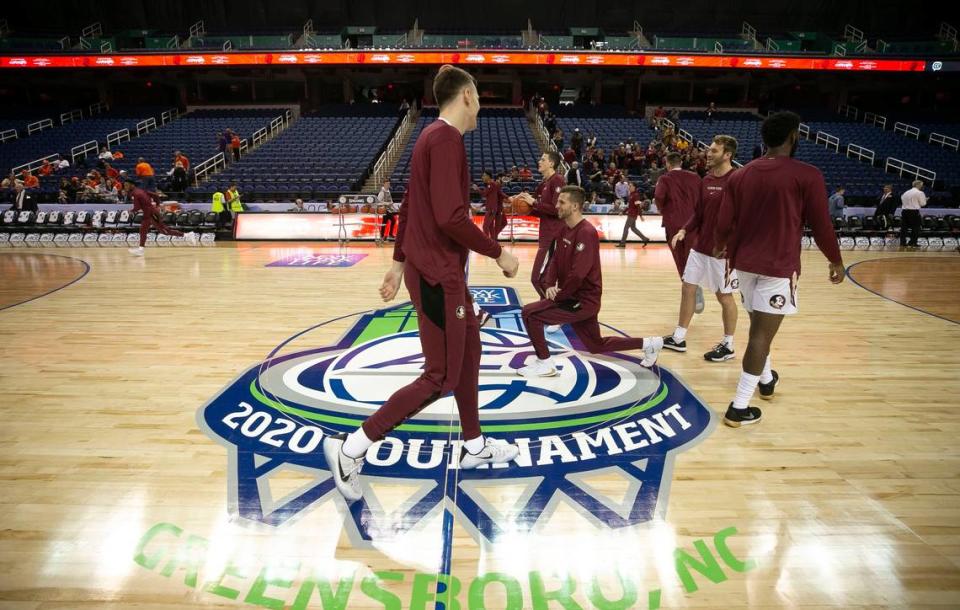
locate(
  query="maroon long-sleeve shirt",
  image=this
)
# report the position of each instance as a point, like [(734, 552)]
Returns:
[(493, 198), (545, 207), (436, 232), (704, 219), (762, 213), (575, 266), (676, 194), (143, 201)]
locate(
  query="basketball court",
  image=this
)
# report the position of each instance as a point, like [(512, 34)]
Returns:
[(163, 419)]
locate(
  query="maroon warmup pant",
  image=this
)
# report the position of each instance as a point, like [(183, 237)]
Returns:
[(582, 319), (493, 224), (152, 219), (450, 339), (682, 251)]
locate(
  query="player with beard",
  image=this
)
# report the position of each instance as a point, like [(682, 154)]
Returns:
[(764, 209), (572, 285), (702, 268)]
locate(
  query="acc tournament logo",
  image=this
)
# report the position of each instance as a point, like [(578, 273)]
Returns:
[(602, 416)]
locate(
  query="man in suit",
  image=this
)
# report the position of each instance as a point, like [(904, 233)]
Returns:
[(885, 208), (23, 201)]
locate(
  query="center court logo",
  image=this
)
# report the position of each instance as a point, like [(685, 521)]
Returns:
[(602, 417)]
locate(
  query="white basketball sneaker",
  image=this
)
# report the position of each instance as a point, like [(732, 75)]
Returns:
[(138, 251), (539, 368), (652, 351), (493, 452), (192, 238), (553, 328), (345, 470)]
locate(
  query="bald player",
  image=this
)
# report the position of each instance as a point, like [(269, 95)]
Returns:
[(759, 225), (676, 196), (572, 286), (435, 237)]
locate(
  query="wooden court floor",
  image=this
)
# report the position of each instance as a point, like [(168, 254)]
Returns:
[(131, 478)]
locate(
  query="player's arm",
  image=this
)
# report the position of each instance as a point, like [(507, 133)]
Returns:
[(816, 215), (583, 262), (546, 205), (726, 217)]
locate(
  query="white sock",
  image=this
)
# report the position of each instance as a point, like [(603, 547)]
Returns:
[(548, 361), (679, 334), (475, 445), (356, 444), (656, 342), (745, 388), (728, 341), (766, 376)]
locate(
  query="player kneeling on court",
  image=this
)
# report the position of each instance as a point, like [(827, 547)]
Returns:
[(573, 284)]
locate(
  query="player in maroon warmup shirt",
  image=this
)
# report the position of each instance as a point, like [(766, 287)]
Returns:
[(703, 270), (143, 201), (544, 204), (494, 219), (572, 285), (434, 239), (759, 225), (676, 195)]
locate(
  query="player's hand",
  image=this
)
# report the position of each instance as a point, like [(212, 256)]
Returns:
[(509, 263), (837, 273), (391, 282), (678, 238), (552, 292)]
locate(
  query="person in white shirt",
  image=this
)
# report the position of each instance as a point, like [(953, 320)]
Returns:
[(911, 202), (622, 190), (105, 155)]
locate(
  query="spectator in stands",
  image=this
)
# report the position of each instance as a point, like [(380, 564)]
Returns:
[(711, 109), (569, 156), (73, 189), (10, 181), (653, 174), (30, 181), (911, 201), (46, 168), (144, 173), (525, 173), (297, 206), (622, 189), (835, 203), (885, 209), (110, 171), (558, 139), (575, 175), (235, 146), (178, 178), (181, 158), (222, 142), (576, 144), (591, 140), (105, 154)]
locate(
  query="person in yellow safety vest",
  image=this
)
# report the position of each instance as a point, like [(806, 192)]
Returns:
[(221, 210), (233, 198)]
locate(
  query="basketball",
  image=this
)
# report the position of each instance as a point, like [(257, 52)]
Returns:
[(520, 206)]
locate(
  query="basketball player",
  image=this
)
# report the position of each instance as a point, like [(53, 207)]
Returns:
[(702, 269), (764, 208), (676, 195), (572, 285), (544, 205), (143, 201), (435, 236), (494, 219)]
